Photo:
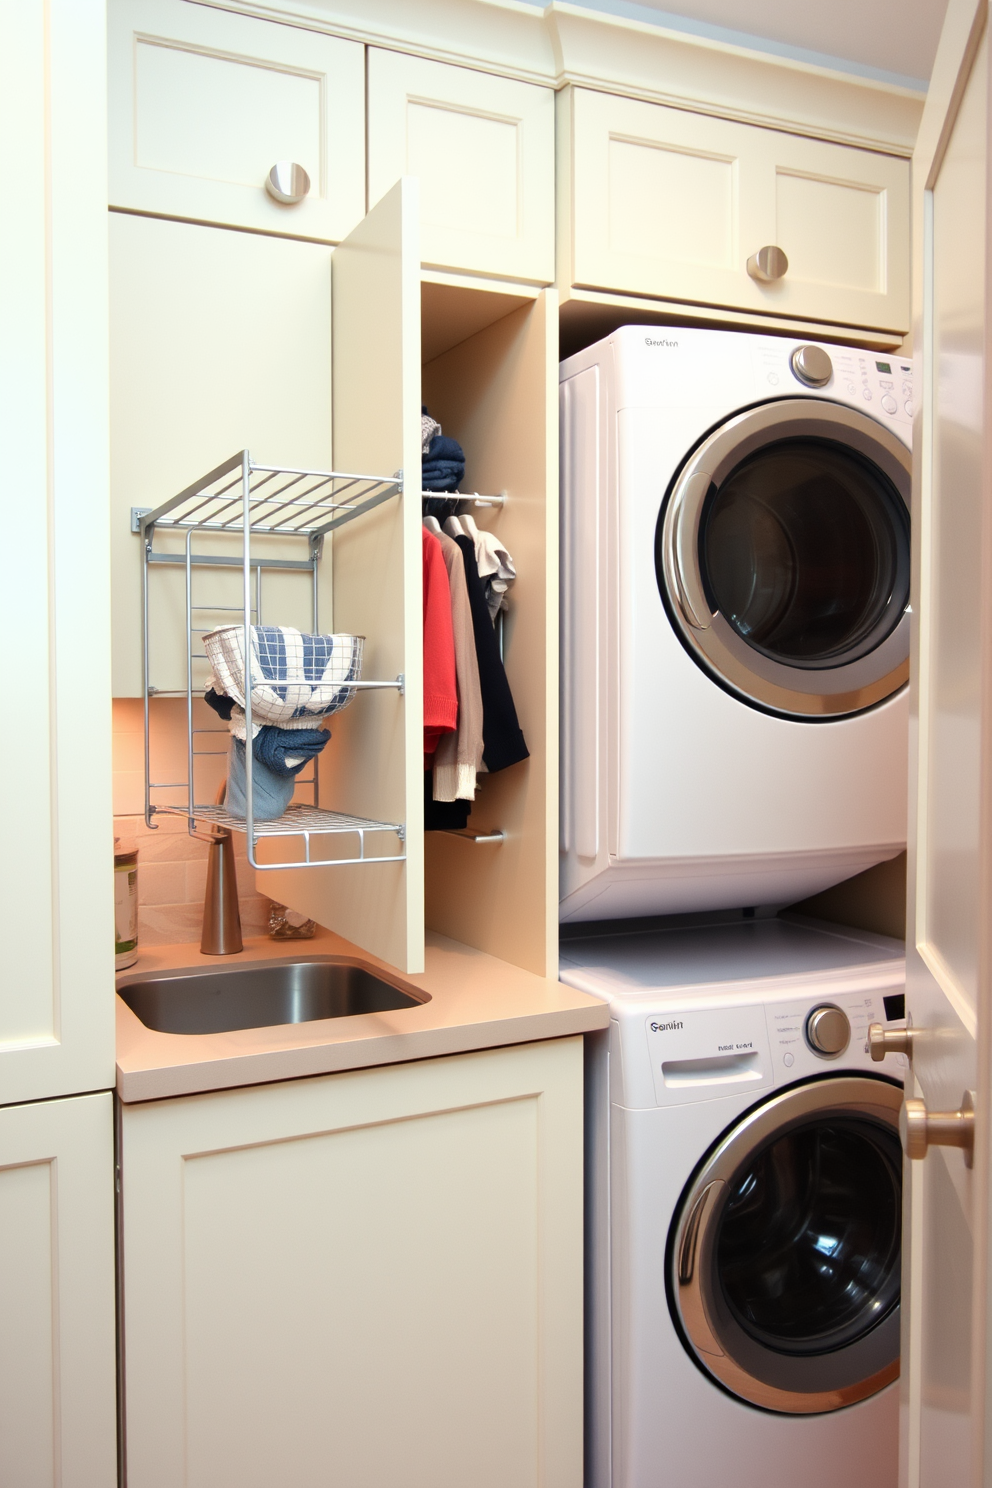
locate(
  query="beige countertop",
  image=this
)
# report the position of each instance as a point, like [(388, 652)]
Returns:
[(474, 1001)]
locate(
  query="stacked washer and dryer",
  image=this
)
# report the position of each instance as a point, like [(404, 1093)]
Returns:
[(735, 649)]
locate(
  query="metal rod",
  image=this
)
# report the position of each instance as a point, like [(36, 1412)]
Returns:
[(249, 734), (189, 665), (145, 688), (202, 560)]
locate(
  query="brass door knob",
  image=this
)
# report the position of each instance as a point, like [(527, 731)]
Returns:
[(768, 264), (921, 1129), (882, 1041)]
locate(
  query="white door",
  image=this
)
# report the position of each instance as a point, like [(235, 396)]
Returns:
[(56, 868), (484, 149), (203, 104), (370, 1279), (946, 1438), (58, 1345)]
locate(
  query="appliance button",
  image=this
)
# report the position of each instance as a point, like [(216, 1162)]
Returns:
[(866, 394), (889, 403), (788, 1060), (811, 365), (828, 1030), (851, 388), (773, 378), (909, 409)]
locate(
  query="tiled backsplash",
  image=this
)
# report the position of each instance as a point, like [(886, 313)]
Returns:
[(172, 865)]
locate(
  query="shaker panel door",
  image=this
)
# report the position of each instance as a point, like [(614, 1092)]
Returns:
[(669, 203), (483, 148), (204, 102), (369, 1278)]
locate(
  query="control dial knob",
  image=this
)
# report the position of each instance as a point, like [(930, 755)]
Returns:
[(828, 1030), (811, 365)]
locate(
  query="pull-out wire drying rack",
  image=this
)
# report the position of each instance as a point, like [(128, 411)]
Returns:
[(243, 498)]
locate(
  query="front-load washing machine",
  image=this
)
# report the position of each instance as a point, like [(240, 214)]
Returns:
[(743, 1208), (735, 619)]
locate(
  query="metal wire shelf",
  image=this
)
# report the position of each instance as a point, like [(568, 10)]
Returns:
[(280, 499), (243, 497), (301, 821)]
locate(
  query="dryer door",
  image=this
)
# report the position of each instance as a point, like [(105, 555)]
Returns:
[(784, 1253), (783, 558)]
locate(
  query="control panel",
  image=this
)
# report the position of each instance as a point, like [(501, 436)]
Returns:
[(880, 384), (679, 1052)]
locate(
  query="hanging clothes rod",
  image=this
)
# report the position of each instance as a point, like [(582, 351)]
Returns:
[(470, 836), (473, 497)]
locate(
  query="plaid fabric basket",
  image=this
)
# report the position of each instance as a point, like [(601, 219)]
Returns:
[(296, 678)]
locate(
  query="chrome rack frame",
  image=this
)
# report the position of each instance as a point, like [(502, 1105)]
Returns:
[(242, 496)]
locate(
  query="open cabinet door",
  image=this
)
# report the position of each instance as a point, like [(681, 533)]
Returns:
[(947, 1413), (374, 766)]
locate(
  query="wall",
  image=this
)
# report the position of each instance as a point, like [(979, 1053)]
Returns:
[(172, 865), (874, 900)]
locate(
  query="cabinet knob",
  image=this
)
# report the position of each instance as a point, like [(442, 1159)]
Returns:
[(921, 1129), (828, 1030), (768, 264), (287, 182), (882, 1041)]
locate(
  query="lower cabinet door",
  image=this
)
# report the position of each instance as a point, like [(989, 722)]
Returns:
[(58, 1360), (371, 1279)]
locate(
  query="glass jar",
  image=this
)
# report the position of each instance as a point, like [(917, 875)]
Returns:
[(125, 904)]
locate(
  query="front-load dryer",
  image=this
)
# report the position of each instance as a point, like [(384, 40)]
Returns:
[(735, 619), (743, 1208)]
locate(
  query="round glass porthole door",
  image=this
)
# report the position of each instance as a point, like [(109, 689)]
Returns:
[(785, 1257), (784, 557)]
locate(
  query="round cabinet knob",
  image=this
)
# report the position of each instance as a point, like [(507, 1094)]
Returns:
[(811, 365), (287, 182), (882, 1041), (828, 1031), (768, 264), (921, 1129)]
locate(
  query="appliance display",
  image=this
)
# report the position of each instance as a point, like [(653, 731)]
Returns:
[(735, 619), (743, 1206)]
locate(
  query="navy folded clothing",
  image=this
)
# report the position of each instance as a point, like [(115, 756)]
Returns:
[(220, 702), (443, 448), (442, 481), (273, 746)]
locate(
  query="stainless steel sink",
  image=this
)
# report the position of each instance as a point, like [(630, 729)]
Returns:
[(259, 996)]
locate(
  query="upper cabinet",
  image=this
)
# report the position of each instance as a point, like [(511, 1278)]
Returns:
[(203, 103), (484, 149), (673, 204)]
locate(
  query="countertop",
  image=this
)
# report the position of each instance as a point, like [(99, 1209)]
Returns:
[(475, 1002)]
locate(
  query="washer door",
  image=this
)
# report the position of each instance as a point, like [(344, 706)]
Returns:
[(784, 558), (784, 1254)]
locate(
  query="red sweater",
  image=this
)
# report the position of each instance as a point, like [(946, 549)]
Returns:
[(440, 693)]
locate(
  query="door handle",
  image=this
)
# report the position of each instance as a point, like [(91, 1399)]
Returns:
[(921, 1129), (882, 1041)]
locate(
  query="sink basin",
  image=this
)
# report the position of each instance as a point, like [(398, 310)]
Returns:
[(259, 996)]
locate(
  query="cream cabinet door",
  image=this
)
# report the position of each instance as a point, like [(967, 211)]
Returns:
[(56, 868), (368, 1279), (662, 202), (204, 102), (58, 1345), (484, 149), (219, 341), (947, 1417)]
